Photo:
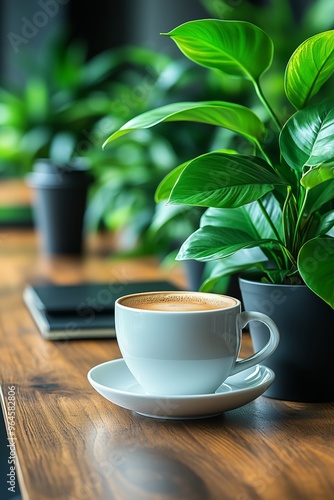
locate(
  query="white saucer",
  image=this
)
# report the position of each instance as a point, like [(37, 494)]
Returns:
[(114, 381)]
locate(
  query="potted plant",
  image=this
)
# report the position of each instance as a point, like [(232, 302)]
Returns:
[(46, 122), (271, 211)]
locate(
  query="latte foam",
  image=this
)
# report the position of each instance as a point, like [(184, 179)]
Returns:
[(178, 301)]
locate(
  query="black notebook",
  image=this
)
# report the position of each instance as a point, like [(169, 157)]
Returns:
[(81, 311)]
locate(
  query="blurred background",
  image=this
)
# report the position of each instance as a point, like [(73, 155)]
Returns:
[(72, 72)]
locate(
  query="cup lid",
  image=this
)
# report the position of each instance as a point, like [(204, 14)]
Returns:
[(49, 173)]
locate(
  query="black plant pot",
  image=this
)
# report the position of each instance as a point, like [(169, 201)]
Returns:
[(303, 362), (194, 274), (60, 194)]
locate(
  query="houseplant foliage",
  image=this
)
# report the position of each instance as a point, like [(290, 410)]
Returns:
[(64, 105), (122, 198), (269, 210), (57, 109)]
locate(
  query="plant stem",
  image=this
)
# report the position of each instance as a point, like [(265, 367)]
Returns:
[(286, 217), (266, 104), (299, 220), (284, 252), (288, 254), (265, 156), (266, 216), (276, 259)]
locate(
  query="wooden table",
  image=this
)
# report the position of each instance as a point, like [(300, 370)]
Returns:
[(72, 444)]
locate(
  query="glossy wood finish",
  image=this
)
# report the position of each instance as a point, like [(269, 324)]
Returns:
[(72, 444)]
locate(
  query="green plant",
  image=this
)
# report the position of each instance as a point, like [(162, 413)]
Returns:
[(271, 213), (56, 100), (55, 110), (127, 175), (59, 112)]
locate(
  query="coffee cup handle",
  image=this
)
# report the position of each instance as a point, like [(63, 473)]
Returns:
[(242, 320)]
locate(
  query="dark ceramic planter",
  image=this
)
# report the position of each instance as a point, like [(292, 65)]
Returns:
[(60, 193), (194, 274), (303, 362)]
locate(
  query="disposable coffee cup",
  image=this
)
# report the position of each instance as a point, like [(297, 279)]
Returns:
[(60, 196)]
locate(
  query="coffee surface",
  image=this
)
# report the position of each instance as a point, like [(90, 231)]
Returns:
[(178, 301)]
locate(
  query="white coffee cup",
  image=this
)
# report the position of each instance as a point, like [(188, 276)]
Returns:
[(180, 343)]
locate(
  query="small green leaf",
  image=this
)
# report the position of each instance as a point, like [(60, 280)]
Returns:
[(318, 175), (320, 225), (326, 224), (208, 243), (309, 68), (319, 196), (221, 180), (237, 48), (37, 100), (283, 276), (232, 116), (307, 137), (316, 264), (183, 220), (83, 109)]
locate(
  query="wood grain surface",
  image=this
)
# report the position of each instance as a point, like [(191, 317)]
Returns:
[(72, 444)]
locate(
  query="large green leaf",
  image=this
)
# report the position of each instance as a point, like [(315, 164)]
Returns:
[(208, 243), (318, 175), (229, 218), (316, 264), (249, 218), (166, 185), (240, 261), (309, 68), (232, 116), (225, 181), (274, 213), (307, 138), (237, 48)]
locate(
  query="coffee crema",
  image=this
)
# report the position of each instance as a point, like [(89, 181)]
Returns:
[(178, 301)]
